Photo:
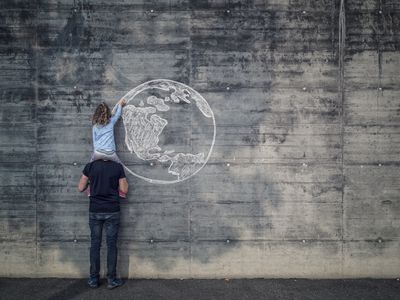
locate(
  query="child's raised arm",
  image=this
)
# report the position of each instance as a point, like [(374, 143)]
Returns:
[(121, 102), (117, 110)]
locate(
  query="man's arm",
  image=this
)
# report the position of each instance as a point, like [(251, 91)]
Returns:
[(123, 185), (83, 183)]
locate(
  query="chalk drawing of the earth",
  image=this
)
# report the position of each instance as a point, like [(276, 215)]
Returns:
[(169, 131)]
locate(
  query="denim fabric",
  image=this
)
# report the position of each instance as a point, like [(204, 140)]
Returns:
[(103, 135), (96, 222)]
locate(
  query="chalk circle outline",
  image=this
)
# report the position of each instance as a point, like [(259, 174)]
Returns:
[(135, 91)]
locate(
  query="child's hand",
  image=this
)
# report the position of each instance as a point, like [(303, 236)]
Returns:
[(122, 102)]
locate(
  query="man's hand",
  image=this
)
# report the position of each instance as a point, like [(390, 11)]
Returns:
[(83, 183)]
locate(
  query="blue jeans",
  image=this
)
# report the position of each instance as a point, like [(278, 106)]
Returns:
[(96, 222)]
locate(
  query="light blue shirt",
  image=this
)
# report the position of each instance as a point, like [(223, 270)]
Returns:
[(103, 135)]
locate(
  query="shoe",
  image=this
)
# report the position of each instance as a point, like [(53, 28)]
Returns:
[(93, 283), (122, 194), (114, 283)]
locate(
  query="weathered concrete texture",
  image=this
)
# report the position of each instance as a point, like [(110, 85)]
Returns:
[(371, 204), (303, 180)]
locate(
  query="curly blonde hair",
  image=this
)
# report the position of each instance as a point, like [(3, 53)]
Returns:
[(102, 114)]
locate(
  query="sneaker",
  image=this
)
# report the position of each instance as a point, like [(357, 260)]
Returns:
[(93, 283), (114, 283), (122, 194)]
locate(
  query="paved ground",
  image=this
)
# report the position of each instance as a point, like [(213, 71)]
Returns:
[(203, 289)]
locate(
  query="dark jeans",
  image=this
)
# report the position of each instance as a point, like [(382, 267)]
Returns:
[(96, 222)]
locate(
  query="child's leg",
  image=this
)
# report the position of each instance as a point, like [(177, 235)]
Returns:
[(114, 157), (106, 156), (97, 155)]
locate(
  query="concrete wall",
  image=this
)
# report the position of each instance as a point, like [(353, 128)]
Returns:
[(305, 95)]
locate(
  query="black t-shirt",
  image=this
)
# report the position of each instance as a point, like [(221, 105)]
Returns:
[(104, 178)]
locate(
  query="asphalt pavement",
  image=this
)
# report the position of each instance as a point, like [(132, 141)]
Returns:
[(57, 289)]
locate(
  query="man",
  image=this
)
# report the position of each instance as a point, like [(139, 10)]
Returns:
[(106, 177)]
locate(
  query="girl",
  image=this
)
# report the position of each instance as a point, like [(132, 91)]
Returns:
[(103, 134), (103, 131)]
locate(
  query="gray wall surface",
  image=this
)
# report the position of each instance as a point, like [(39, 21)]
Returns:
[(303, 180)]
